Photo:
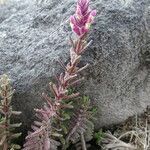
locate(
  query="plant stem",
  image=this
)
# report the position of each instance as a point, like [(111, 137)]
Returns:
[(6, 116), (83, 142)]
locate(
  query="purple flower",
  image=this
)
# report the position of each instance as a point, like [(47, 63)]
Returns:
[(80, 22)]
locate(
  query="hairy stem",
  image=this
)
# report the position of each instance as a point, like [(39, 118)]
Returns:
[(83, 142)]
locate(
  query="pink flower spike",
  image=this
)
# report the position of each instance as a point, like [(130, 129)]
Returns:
[(82, 19)]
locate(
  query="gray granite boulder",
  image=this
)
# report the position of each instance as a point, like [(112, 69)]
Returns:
[(33, 37)]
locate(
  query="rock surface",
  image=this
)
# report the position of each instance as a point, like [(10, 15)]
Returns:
[(33, 37)]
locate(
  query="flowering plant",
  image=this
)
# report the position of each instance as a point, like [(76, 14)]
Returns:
[(45, 133)]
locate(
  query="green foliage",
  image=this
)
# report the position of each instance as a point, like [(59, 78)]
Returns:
[(76, 121), (98, 136), (6, 112), (62, 110)]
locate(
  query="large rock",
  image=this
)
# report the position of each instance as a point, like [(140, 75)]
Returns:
[(33, 38)]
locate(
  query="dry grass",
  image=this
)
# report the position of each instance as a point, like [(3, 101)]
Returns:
[(134, 134)]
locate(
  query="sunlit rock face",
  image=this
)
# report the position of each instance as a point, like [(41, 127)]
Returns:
[(34, 36)]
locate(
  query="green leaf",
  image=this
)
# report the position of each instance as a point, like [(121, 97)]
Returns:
[(94, 110), (15, 125), (70, 91), (57, 135), (64, 129), (2, 120), (66, 116), (85, 102), (69, 106), (16, 135), (15, 146), (99, 136), (16, 112)]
